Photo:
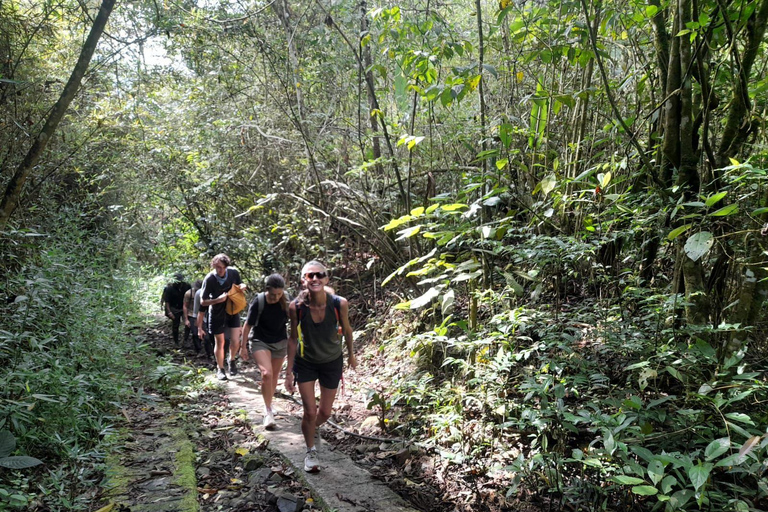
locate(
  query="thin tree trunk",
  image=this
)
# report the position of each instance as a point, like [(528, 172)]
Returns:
[(12, 195)]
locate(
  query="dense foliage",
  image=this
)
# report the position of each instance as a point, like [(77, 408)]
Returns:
[(565, 201)]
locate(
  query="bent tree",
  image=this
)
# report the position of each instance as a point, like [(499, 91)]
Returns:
[(12, 195)]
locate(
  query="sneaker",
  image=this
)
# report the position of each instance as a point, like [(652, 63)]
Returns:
[(269, 419), (220, 374), (311, 462), (232, 367)]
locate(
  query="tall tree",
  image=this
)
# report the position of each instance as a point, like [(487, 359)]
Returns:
[(12, 194)]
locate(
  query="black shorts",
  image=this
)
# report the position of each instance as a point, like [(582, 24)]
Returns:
[(329, 374), (220, 324)]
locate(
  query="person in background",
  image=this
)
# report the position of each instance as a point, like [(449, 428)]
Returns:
[(214, 296), (266, 323), (315, 352), (172, 302), (190, 317), (201, 325)]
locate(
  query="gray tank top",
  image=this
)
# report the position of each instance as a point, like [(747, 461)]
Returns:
[(322, 343)]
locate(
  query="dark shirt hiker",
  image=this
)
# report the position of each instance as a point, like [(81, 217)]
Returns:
[(172, 302), (214, 296)]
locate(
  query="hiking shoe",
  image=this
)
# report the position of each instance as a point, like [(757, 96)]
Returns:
[(269, 419), (232, 367), (311, 462), (220, 374)]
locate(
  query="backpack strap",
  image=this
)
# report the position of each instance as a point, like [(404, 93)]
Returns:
[(261, 299), (299, 313)]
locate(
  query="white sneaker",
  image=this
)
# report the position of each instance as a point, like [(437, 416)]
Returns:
[(311, 462), (269, 419)]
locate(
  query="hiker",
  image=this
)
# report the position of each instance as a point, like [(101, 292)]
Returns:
[(266, 323), (315, 351), (172, 302), (216, 285), (201, 324), (190, 316)]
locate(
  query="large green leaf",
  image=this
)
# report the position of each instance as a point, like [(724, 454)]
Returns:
[(19, 462), (677, 231), (627, 480), (717, 447), (725, 210), (7, 443), (655, 471), (699, 474), (425, 299), (645, 490), (699, 244)]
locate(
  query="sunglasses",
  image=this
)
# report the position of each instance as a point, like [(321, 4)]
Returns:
[(313, 275)]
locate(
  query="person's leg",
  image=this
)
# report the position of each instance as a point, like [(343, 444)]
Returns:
[(195, 337), (327, 396), (234, 344), (186, 335), (219, 349), (277, 365), (309, 419), (175, 328), (209, 344), (268, 378)]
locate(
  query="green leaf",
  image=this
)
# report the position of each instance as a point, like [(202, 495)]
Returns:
[(395, 223), (7, 443), (448, 300), (712, 200), (655, 471), (19, 462), (668, 483), (408, 232), (725, 210), (425, 299), (699, 244), (717, 447), (627, 480), (645, 490), (678, 231), (453, 207), (740, 417), (548, 184), (699, 474)]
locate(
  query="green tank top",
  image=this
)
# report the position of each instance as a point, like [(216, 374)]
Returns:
[(322, 343)]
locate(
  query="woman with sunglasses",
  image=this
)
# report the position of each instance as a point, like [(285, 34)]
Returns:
[(315, 351)]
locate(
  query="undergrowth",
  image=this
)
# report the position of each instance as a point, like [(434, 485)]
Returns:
[(70, 358), (589, 407)]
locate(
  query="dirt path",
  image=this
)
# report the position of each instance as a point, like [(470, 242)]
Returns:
[(209, 452)]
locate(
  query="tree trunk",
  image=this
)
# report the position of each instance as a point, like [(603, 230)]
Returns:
[(12, 195)]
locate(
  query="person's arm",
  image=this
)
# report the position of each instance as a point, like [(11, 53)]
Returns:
[(209, 302), (244, 344), (185, 309), (218, 300), (200, 332), (292, 342), (346, 330)]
